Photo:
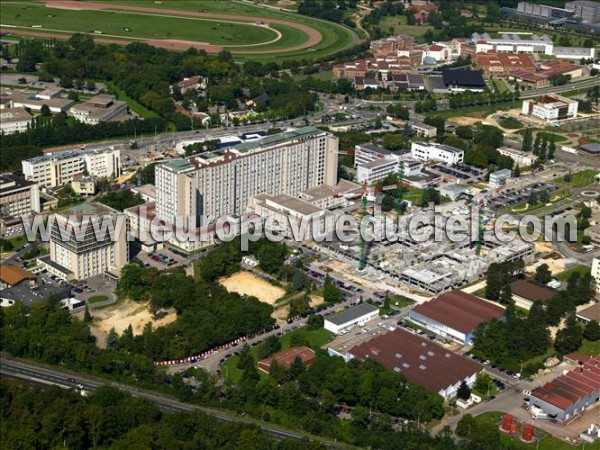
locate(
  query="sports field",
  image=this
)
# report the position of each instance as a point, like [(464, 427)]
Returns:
[(241, 28)]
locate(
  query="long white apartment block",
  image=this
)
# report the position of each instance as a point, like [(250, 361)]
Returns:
[(56, 169), (223, 182), (432, 151)]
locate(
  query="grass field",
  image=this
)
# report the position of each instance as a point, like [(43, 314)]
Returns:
[(315, 338), (97, 299), (141, 25), (243, 37), (478, 112), (581, 178), (547, 442), (589, 348), (400, 26), (136, 107), (580, 269)]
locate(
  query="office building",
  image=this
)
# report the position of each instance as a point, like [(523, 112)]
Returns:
[(586, 10), (551, 108), (35, 101), (57, 169), (500, 177), (18, 196), (14, 120), (596, 272), (509, 42), (220, 183), (100, 108), (431, 151), (75, 246), (523, 159)]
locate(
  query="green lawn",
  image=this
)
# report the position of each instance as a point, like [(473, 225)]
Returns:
[(589, 348), (478, 112), (580, 179), (400, 26), (400, 301), (547, 442), (140, 25), (511, 123), (97, 299), (136, 107), (315, 338), (581, 269)]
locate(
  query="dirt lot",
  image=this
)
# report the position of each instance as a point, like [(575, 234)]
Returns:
[(245, 283), (124, 314), (316, 300)]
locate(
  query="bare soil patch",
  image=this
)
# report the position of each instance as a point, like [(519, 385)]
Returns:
[(246, 283)]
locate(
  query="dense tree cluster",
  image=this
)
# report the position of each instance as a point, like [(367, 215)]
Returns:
[(33, 417), (328, 10), (498, 278), (121, 200), (208, 315)]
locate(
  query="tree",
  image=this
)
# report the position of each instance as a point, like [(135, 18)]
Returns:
[(517, 171), (592, 331), (552, 146), (570, 338), (331, 292), (543, 274), (463, 392), (87, 317), (466, 426), (112, 339), (527, 141), (45, 110), (537, 144), (315, 322), (482, 382)]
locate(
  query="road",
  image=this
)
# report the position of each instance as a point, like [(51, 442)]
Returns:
[(25, 370)]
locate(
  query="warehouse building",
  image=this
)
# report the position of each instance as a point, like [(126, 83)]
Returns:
[(420, 361), (432, 151), (572, 393), (357, 315), (455, 315)]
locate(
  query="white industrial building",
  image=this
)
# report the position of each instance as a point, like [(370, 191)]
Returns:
[(510, 42), (14, 120), (551, 108), (357, 315), (57, 169), (432, 151), (100, 108)]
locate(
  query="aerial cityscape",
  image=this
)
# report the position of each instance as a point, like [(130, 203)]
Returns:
[(300, 224)]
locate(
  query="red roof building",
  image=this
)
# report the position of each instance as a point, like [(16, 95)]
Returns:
[(420, 361), (287, 357), (571, 393), (501, 64), (455, 315)]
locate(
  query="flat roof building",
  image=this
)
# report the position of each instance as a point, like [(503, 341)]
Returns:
[(550, 108), (525, 293), (459, 80), (420, 361), (100, 108), (572, 393), (75, 245), (15, 120), (455, 315), (432, 151), (357, 315), (500, 177), (18, 196)]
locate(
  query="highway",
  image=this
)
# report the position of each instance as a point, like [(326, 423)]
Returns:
[(25, 370)]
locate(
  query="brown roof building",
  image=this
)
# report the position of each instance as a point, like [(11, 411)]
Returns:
[(420, 361), (495, 63), (525, 292), (455, 315), (287, 357), (11, 275)]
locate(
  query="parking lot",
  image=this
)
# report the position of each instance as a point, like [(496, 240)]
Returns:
[(163, 259), (464, 173), (512, 196)]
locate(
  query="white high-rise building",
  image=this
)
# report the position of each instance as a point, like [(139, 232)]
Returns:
[(18, 197), (79, 250), (215, 184), (57, 169)]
